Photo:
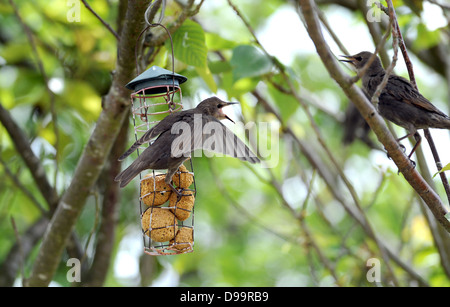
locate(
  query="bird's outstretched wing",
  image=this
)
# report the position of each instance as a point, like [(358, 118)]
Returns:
[(152, 133), (207, 133)]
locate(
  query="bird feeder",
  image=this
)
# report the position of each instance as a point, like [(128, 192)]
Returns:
[(167, 219)]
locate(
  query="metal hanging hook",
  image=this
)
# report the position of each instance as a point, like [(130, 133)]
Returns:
[(158, 24), (161, 16)]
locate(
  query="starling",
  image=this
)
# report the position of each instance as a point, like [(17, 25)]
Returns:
[(179, 134), (399, 102)]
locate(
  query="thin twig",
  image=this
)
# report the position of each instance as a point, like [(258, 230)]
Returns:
[(252, 31), (11, 261), (33, 163), (327, 177), (336, 39), (110, 29), (95, 153), (372, 58), (94, 227), (308, 195), (427, 132), (22, 188), (395, 38), (398, 35), (438, 162), (50, 93), (330, 30), (301, 219), (293, 92), (221, 186), (21, 254), (375, 121), (323, 259), (186, 13), (322, 142), (374, 29), (344, 49)]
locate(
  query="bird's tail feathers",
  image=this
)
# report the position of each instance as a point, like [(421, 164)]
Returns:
[(130, 150), (128, 174), (447, 123), (253, 159), (440, 122)]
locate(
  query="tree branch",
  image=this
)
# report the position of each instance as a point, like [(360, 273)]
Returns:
[(375, 121), (32, 162), (22, 188), (431, 56), (395, 38), (95, 153), (50, 93), (186, 13), (375, 31), (11, 264), (252, 219), (437, 60), (110, 29), (398, 34), (106, 233)]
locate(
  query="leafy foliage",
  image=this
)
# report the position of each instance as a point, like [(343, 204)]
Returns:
[(296, 223)]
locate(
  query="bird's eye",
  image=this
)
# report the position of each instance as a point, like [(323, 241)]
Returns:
[(358, 58), (220, 105)]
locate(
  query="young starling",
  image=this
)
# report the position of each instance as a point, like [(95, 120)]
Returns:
[(399, 102), (200, 129)]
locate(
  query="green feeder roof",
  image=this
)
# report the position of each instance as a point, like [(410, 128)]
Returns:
[(155, 76)]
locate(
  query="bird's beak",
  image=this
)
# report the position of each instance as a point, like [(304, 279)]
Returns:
[(223, 114), (230, 119), (350, 58)]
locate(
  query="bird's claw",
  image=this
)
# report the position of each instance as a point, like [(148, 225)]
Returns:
[(389, 157), (413, 163), (178, 192), (401, 146)]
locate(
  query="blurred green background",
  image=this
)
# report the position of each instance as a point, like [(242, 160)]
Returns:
[(294, 223)]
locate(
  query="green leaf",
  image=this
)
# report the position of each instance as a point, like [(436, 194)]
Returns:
[(189, 44), (237, 88), (445, 168), (249, 61), (287, 105), (207, 76), (219, 67), (216, 42)]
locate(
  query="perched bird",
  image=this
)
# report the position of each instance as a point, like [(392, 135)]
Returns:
[(399, 102), (179, 134)]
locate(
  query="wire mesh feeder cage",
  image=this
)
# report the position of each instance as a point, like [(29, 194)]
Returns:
[(167, 219)]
